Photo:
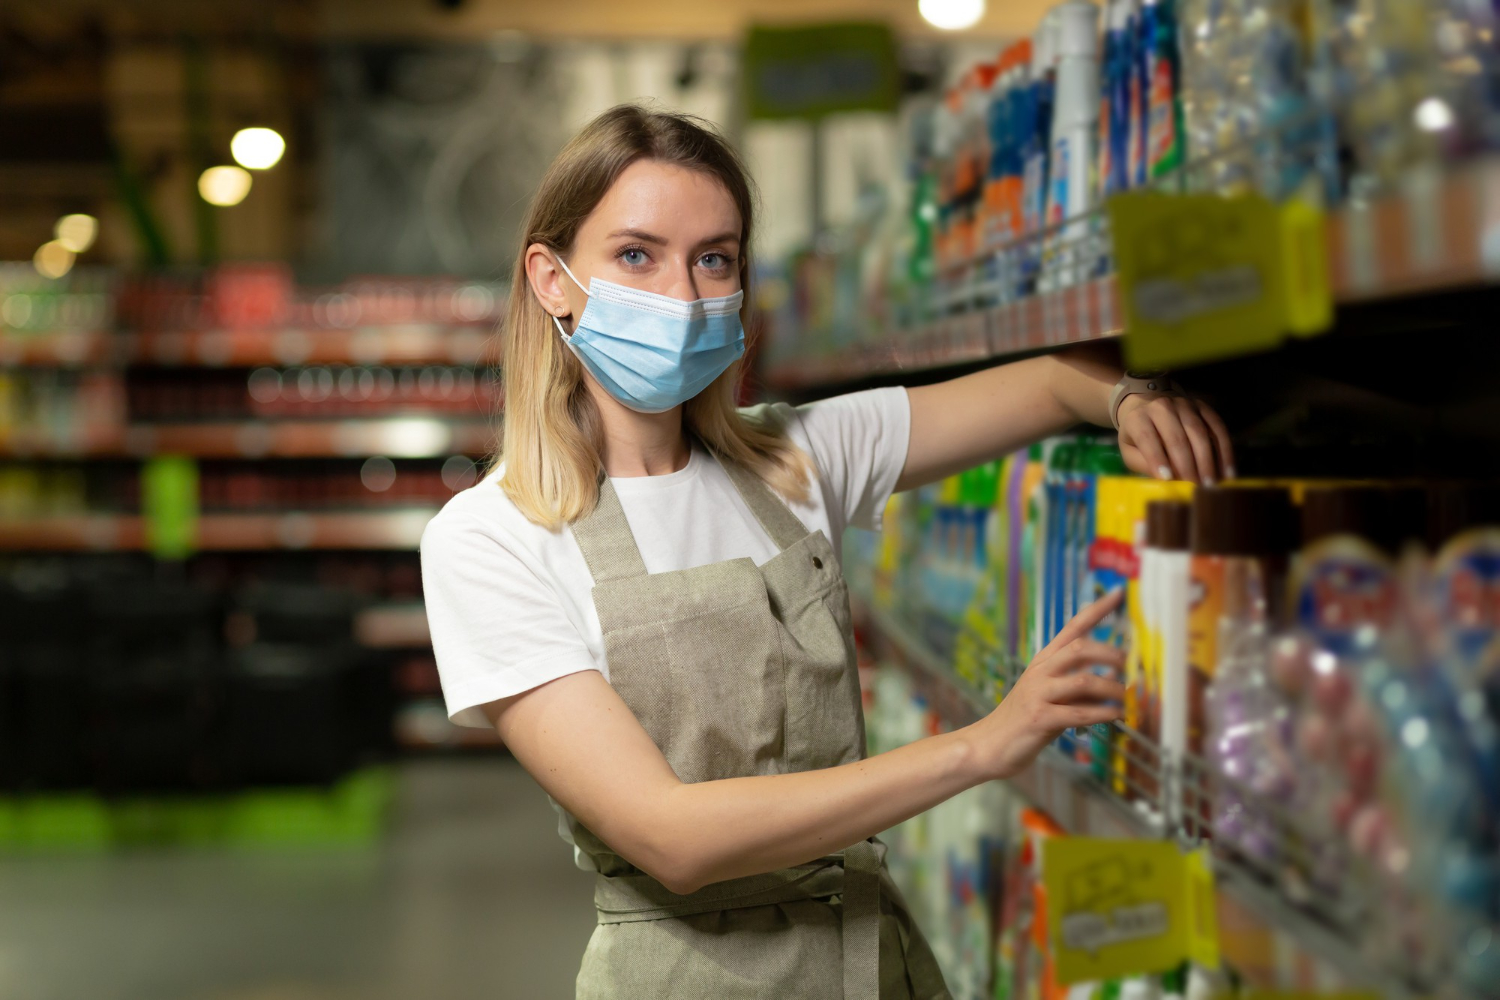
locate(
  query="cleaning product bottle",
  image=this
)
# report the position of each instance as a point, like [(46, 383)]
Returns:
[(1000, 122), (1166, 711), (1036, 141), (1143, 29), (1163, 71), (1074, 134)]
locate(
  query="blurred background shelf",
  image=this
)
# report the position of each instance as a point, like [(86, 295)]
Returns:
[(397, 626), (383, 530), (395, 437), (410, 344)]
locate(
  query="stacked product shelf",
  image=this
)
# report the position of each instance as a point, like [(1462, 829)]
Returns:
[(322, 429), (1338, 867)]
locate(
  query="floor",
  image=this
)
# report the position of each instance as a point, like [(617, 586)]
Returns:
[(471, 896)]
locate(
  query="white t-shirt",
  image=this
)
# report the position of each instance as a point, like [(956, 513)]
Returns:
[(509, 603)]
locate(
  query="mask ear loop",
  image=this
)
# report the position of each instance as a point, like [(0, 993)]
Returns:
[(569, 272)]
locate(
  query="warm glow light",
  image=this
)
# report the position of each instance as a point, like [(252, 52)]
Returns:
[(224, 186), (951, 15), (77, 232), (257, 148), (1433, 115), (53, 259)]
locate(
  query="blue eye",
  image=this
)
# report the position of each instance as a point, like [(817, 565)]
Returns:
[(633, 256), (714, 261)]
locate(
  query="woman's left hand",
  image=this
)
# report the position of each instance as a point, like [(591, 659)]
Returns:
[(1175, 437)]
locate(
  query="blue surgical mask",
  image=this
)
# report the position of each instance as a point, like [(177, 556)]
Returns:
[(653, 352)]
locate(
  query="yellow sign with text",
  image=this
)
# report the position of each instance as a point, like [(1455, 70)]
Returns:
[(1120, 908), (1203, 276)]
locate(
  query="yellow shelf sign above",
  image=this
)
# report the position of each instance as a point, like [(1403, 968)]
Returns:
[(1119, 908), (1204, 277)]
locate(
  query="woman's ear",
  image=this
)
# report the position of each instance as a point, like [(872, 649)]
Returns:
[(546, 280)]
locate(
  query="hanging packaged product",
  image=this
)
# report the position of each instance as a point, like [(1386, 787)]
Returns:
[(1074, 135)]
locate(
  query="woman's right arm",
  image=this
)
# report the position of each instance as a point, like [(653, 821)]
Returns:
[(584, 746)]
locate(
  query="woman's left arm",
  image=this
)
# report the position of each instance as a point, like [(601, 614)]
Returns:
[(961, 423)]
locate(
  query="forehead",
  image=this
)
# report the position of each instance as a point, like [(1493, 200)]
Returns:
[(667, 200)]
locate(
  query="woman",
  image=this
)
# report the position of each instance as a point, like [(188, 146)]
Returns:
[(644, 596)]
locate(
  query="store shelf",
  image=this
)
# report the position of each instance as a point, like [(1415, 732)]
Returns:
[(394, 626), (1084, 312), (393, 437), (1258, 926), (413, 344), (1437, 230), (399, 530), (62, 349)]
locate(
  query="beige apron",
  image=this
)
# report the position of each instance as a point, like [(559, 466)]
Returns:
[(737, 670)]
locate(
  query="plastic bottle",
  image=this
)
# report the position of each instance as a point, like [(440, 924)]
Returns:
[(1142, 29), (1166, 709), (1241, 541), (1074, 134)]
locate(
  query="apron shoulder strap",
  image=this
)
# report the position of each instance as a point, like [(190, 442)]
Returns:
[(785, 528), (609, 547), (606, 541)]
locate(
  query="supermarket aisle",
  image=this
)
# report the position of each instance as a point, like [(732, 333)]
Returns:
[(472, 896)]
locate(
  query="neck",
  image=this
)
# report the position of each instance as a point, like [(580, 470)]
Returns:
[(640, 444)]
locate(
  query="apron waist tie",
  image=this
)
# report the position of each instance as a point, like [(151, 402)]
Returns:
[(853, 874)]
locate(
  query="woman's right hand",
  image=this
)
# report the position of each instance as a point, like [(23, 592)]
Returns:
[(1056, 691)]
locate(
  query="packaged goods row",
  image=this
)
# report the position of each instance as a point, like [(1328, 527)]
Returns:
[(1310, 667), (311, 392), (36, 490), (1005, 172), (234, 297)]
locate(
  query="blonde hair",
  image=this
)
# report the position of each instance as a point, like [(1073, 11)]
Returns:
[(551, 439)]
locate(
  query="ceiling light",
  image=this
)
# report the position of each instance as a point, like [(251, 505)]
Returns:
[(257, 148), (53, 259), (224, 186), (951, 15), (77, 232)]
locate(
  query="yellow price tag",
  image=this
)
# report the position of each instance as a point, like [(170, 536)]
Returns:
[(1120, 908), (1204, 277)]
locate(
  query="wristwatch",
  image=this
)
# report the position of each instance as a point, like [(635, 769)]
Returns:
[(1140, 383)]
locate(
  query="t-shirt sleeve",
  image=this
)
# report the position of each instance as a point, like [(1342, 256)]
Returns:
[(497, 628), (859, 442)]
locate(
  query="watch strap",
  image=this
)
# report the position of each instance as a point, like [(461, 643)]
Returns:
[(1152, 385)]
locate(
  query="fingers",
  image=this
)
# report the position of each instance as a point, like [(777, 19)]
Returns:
[(1141, 435), (1083, 653), (1200, 440), (1085, 689), (1177, 437), (1168, 423), (1221, 437), (1079, 716), (1083, 623)]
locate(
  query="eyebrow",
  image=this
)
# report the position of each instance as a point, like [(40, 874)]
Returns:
[(645, 237)]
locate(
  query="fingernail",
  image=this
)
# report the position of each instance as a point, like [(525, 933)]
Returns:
[(1164, 472), (1208, 480), (1229, 472)]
